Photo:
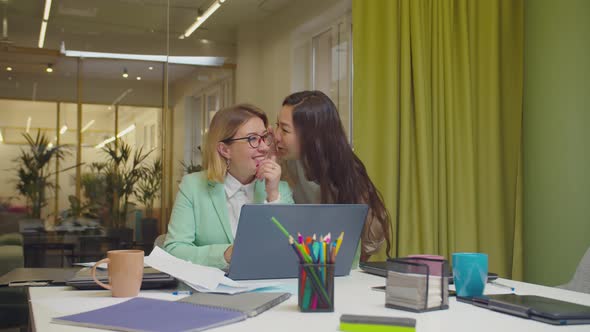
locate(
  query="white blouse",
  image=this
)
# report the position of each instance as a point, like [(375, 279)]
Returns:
[(238, 194)]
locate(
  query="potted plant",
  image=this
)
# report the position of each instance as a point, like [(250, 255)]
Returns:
[(148, 189), (95, 189), (33, 171), (191, 167), (122, 171)]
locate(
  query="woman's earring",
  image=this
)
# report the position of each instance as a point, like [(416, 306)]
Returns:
[(227, 164)]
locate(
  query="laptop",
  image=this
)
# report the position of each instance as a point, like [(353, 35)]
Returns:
[(261, 250), (380, 269), (539, 308), (37, 277), (152, 279)]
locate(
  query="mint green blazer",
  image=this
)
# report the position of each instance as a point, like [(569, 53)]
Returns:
[(199, 229)]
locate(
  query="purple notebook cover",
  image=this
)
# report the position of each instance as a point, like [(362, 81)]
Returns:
[(143, 314)]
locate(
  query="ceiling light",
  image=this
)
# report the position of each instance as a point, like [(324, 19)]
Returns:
[(105, 142), (151, 68), (44, 23), (49, 146), (214, 6), (8, 68), (204, 41), (125, 74), (179, 60), (49, 68), (126, 131), (29, 119), (221, 1), (42, 34), (90, 123), (119, 135), (63, 129), (121, 96), (138, 78), (46, 10)]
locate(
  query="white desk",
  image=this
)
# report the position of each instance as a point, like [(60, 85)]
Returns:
[(352, 296)]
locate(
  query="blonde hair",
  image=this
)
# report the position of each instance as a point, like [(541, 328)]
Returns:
[(224, 125)]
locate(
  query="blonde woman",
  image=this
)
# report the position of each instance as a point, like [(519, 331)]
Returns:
[(237, 169)]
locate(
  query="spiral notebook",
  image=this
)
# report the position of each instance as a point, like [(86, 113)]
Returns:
[(252, 304), (143, 314)]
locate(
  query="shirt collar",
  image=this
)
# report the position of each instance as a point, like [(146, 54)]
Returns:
[(232, 185)]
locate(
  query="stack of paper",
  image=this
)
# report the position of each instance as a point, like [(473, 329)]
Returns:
[(414, 291), (204, 279)]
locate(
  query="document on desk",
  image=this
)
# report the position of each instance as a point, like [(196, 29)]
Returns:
[(192, 274), (229, 286), (492, 289), (202, 278)]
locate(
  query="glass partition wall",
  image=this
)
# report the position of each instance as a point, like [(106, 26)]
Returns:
[(92, 148)]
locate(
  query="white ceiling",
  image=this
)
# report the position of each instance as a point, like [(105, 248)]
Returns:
[(132, 26), (120, 26)]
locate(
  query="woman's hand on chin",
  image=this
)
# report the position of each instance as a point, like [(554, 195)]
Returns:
[(270, 171)]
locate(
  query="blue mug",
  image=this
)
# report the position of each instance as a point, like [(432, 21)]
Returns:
[(470, 273)]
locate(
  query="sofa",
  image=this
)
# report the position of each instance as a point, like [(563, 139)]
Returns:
[(13, 300), (11, 252)]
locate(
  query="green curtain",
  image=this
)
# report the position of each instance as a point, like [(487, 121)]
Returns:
[(438, 90)]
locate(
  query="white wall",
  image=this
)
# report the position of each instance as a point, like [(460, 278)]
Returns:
[(264, 74), (182, 94)]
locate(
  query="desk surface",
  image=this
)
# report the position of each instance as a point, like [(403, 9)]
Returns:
[(352, 296)]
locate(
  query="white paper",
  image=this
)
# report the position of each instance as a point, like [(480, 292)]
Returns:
[(491, 289), (204, 279), (192, 274), (229, 286)]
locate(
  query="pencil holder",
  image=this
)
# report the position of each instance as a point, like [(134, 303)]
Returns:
[(316, 287)]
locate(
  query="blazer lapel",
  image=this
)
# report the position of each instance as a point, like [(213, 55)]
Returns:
[(217, 195), (259, 192)]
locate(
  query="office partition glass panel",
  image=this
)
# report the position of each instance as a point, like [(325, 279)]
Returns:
[(332, 67), (67, 136), (22, 120), (84, 101)]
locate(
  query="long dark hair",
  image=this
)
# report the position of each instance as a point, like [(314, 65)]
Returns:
[(328, 159)]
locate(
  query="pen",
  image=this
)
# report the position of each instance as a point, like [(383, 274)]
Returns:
[(182, 292), (501, 285)]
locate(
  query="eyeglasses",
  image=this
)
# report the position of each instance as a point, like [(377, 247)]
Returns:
[(253, 139)]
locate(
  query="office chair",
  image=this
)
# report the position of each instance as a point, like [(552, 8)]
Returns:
[(581, 280)]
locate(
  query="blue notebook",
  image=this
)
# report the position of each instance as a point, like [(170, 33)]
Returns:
[(143, 314)]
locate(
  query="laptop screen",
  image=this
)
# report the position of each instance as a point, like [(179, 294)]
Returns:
[(261, 251)]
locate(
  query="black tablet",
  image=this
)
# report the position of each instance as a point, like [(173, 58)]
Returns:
[(539, 308)]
